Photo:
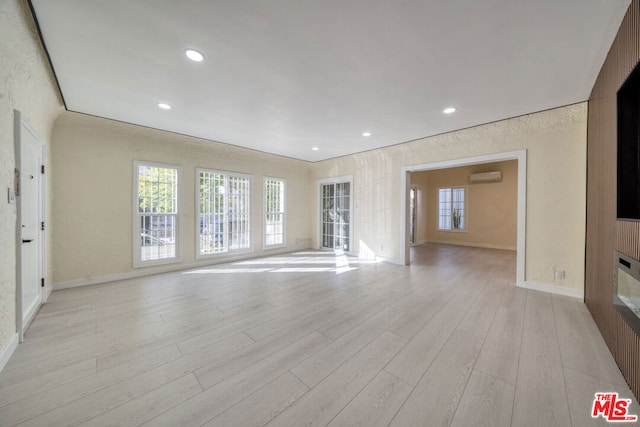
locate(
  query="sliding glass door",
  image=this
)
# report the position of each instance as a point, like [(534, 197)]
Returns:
[(336, 215)]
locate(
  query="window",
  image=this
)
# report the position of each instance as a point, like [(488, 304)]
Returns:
[(451, 209), (223, 212), (273, 212), (156, 214), (412, 215)]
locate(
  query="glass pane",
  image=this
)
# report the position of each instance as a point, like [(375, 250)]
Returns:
[(336, 215), (157, 204), (444, 208), (457, 213), (157, 237), (212, 213), (274, 212), (238, 212)]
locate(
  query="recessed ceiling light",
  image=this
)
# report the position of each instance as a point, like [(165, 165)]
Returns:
[(194, 55), (315, 148), (164, 106), (449, 110), (366, 133)]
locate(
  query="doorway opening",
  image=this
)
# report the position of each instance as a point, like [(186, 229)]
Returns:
[(408, 229)]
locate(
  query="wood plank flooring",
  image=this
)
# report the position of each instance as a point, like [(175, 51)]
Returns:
[(313, 338)]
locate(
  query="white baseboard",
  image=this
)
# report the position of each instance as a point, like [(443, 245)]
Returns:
[(150, 271), (47, 293), (473, 245), (389, 260), (7, 352), (558, 290)]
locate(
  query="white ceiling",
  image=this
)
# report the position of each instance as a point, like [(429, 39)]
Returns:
[(283, 76)]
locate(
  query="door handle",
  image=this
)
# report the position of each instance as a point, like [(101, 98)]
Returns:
[(27, 240)]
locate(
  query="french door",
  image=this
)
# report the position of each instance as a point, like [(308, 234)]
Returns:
[(336, 215)]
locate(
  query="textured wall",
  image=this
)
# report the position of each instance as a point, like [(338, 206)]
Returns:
[(26, 84), (93, 179), (555, 141)]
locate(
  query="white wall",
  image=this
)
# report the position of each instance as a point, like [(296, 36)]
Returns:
[(93, 180), (89, 153), (555, 141), (93, 159), (26, 84)]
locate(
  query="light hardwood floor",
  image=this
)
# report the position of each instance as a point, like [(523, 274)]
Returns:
[(313, 339)]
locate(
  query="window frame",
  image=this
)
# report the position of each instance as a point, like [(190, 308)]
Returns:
[(465, 188), (226, 174), (265, 212), (137, 247)]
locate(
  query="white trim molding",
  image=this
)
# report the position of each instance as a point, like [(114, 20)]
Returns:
[(389, 260), (552, 289), (519, 155), (7, 352), (47, 292)]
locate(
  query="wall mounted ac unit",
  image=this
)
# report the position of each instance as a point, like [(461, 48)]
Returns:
[(485, 177)]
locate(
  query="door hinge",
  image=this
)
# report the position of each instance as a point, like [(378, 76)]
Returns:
[(42, 282), (42, 226), (42, 168)]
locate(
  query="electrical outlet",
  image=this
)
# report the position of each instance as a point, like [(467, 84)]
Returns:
[(558, 274), (11, 196)]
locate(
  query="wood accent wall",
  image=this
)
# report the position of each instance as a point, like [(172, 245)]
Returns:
[(604, 233), (628, 238)]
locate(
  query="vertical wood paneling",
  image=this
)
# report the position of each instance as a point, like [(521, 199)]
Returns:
[(604, 233), (628, 349), (628, 238)]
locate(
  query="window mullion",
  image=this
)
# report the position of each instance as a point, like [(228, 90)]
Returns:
[(451, 207), (227, 232)]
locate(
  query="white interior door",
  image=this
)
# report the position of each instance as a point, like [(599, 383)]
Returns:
[(30, 220)]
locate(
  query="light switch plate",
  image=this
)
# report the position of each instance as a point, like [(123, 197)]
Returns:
[(11, 196)]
